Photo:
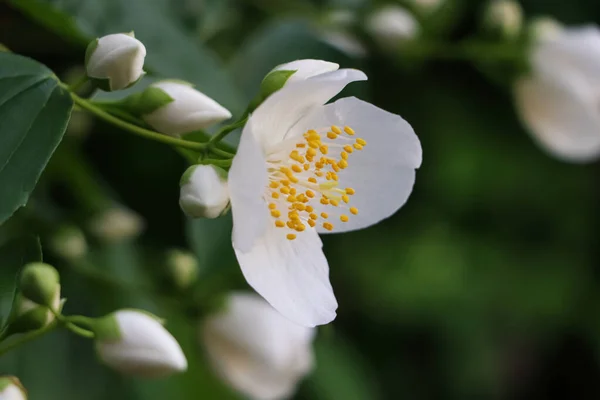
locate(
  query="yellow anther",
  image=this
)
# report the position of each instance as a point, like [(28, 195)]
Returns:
[(311, 223), (311, 152), (276, 213), (293, 216), (344, 155), (275, 195), (319, 165), (323, 149), (328, 176), (296, 168), (344, 218), (324, 215), (294, 179), (346, 198), (310, 193), (291, 198), (334, 176), (300, 227), (342, 164), (362, 142), (354, 210), (306, 167), (312, 132), (350, 191), (312, 180), (285, 182), (290, 224), (334, 202), (301, 197), (279, 223), (285, 170), (349, 130), (348, 149), (285, 190), (331, 135), (301, 145), (324, 201), (299, 206), (358, 146), (313, 216), (309, 209), (336, 130), (328, 226), (272, 206), (274, 185), (291, 236), (335, 167), (319, 174), (313, 144), (293, 191)]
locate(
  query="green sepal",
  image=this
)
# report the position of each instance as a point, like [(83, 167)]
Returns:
[(187, 175), (146, 102), (104, 83), (90, 50), (39, 283), (106, 328), (274, 81), (31, 320)]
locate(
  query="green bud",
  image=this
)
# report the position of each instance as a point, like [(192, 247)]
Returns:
[(106, 328), (29, 316), (182, 268), (40, 283), (69, 242), (147, 101), (274, 81)]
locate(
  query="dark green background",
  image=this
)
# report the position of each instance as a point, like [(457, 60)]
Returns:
[(484, 286)]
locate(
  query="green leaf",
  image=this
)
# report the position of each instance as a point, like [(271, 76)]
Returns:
[(14, 254), (34, 112), (170, 52)]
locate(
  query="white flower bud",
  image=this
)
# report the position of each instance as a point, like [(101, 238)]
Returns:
[(545, 28), (135, 343), (69, 242), (204, 192), (40, 283), (115, 61), (189, 110), (255, 349), (504, 17), (117, 224), (11, 389), (183, 268), (392, 25)]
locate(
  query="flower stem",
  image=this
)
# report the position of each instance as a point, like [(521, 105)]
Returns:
[(28, 337), (218, 163), (78, 84), (148, 134), (226, 130)]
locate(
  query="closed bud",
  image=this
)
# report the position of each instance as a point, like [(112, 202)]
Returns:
[(135, 343), (40, 283), (204, 192), (115, 62), (392, 25), (174, 108), (117, 224), (504, 18), (182, 267), (69, 242), (29, 316), (257, 350), (12, 389), (545, 28)]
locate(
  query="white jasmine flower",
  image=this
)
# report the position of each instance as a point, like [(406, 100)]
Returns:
[(135, 343), (256, 350), (304, 168), (116, 59), (204, 192), (306, 69), (558, 101), (189, 110)]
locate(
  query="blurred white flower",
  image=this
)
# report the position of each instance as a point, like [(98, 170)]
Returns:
[(505, 17), (117, 224), (558, 100), (255, 349), (189, 110), (11, 389), (304, 168), (116, 61), (204, 192), (391, 25), (182, 267), (135, 343), (69, 242), (544, 28)]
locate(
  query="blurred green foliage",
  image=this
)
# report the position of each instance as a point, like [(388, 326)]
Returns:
[(485, 285)]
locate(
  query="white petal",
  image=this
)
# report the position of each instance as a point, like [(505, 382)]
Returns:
[(382, 174), (273, 118), (559, 120), (306, 69), (292, 275), (247, 182), (257, 350)]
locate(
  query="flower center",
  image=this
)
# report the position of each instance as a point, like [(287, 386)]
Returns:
[(308, 175)]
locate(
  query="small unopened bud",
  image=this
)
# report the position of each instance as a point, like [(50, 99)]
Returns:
[(204, 192), (69, 242), (504, 18), (392, 25), (180, 108), (544, 28), (29, 316), (183, 268), (12, 389), (40, 283), (115, 62), (135, 343), (117, 224)]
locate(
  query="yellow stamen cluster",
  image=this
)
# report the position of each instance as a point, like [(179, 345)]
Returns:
[(312, 171)]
